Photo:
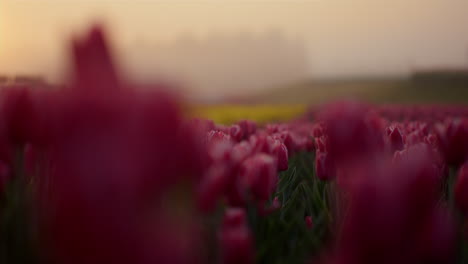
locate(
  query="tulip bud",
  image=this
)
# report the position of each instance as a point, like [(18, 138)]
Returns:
[(317, 131), (308, 222), (281, 153), (215, 135), (275, 205), (236, 133), (395, 139), (324, 166), (259, 175)]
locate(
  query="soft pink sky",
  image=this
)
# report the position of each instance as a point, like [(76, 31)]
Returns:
[(342, 37)]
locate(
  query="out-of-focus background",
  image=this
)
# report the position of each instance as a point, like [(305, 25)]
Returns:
[(258, 51)]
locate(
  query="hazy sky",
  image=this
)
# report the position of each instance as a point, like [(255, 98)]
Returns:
[(343, 37)]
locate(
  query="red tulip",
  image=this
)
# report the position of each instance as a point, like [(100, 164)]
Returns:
[(258, 175), (220, 151), (354, 132), (118, 161), (235, 238), (94, 69), (241, 151), (323, 166), (236, 133), (395, 139), (215, 135), (213, 186), (453, 140), (261, 143), (248, 127), (281, 153), (393, 215)]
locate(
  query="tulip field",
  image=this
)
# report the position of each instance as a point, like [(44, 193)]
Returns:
[(103, 172)]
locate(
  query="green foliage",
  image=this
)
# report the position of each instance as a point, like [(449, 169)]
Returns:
[(283, 236), (16, 231)]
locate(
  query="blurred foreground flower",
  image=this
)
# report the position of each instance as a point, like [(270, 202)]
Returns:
[(393, 216), (123, 169), (235, 238)]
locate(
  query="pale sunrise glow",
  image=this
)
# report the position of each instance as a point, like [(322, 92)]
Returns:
[(340, 37)]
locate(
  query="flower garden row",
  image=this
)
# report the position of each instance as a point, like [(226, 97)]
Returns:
[(104, 172)]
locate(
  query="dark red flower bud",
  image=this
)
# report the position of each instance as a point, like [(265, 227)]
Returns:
[(259, 175), (395, 139), (324, 166), (94, 68), (308, 221), (275, 205), (321, 144), (281, 153)]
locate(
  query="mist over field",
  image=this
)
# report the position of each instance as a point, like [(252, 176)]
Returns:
[(226, 49)]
